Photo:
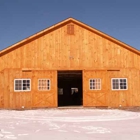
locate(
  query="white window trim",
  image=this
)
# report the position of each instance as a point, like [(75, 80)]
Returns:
[(46, 89), (119, 85), (22, 89), (100, 83)]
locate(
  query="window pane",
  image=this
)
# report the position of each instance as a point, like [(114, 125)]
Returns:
[(60, 91), (24, 88), (43, 84), (123, 84), (24, 85), (18, 85), (119, 83), (115, 83), (125, 87), (21, 85), (18, 88), (95, 84)]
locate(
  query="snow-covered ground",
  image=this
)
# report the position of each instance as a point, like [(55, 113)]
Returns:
[(70, 124)]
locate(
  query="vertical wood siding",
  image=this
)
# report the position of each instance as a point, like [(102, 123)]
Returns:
[(29, 99), (59, 50), (56, 50), (108, 97), (95, 97)]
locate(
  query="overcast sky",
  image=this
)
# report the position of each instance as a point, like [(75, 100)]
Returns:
[(21, 18)]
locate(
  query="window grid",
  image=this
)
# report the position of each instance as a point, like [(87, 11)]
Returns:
[(95, 84), (43, 84), (22, 85), (119, 83)]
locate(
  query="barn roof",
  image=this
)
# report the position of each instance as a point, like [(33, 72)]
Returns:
[(63, 23)]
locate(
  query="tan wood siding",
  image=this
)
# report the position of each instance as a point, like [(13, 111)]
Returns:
[(58, 50), (108, 97), (96, 55), (1, 90), (95, 97), (130, 97), (29, 99), (44, 98)]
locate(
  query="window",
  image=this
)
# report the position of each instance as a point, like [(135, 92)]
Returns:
[(70, 29), (74, 90), (22, 85), (43, 84), (60, 91), (95, 84), (119, 83)]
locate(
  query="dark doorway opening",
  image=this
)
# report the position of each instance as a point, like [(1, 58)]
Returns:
[(70, 88)]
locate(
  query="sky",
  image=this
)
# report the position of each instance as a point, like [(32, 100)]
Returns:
[(20, 19)]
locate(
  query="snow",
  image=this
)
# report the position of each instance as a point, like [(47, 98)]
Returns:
[(68, 124)]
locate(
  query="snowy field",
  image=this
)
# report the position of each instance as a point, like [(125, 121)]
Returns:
[(70, 124)]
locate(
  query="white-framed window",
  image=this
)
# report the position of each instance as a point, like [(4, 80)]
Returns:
[(22, 85), (119, 84), (44, 84), (95, 84)]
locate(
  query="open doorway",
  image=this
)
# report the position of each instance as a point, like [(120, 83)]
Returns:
[(70, 88)]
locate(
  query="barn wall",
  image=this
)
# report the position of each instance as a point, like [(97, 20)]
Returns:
[(139, 61), (130, 97), (1, 90), (38, 99), (95, 97), (31, 99), (58, 50), (44, 98), (107, 97)]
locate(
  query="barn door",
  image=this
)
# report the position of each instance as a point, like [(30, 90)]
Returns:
[(94, 88), (44, 89)]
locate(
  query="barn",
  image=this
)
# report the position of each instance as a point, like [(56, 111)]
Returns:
[(69, 64)]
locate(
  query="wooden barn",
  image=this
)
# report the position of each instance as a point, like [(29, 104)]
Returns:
[(69, 64)]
